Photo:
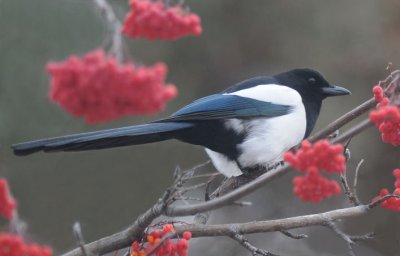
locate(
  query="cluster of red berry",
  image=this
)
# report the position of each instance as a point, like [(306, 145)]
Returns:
[(99, 89), (314, 187), (379, 97), (312, 159), (7, 203), (165, 247), (13, 245), (386, 117), (392, 203), (155, 20)]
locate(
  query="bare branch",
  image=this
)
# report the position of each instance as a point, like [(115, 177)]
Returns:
[(294, 236), (272, 225), (349, 239), (114, 28), (246, 244), (243, 203), (227, 198), (76, 228), (206, 175), (390, 81), (356, 178), (346, 118), (135, 232), (126, 237), (162, 241), (347, 191), (379, 201)]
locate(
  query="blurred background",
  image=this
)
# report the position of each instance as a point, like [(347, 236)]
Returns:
[(350, 42)]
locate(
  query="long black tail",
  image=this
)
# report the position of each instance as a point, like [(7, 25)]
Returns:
[(131, 135)]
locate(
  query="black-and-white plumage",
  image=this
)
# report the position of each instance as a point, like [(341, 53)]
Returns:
[(250, 124)]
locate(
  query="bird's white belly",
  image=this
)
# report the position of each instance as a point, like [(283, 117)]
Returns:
[(270, 138), (267, 140)]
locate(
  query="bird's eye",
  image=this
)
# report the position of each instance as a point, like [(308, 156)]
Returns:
[(312, 80)]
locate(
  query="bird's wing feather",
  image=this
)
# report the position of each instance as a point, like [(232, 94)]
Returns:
[(118, 137), (224, 106)]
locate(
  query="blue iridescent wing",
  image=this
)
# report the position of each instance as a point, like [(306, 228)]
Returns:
[(223, 106)]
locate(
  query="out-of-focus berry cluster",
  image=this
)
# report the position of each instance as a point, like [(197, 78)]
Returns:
[(386, 117), (13, 245), (313, 159), (7, 203), (165, 247), (156, 20), (392, 203), (99, 89)]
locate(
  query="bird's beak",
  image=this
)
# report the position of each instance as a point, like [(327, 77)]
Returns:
[(334, 90)]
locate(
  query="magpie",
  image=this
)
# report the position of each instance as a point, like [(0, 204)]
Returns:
[(249, 125)]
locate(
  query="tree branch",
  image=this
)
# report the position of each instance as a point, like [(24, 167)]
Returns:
[(318, 219), (125, 237), (246, 244)]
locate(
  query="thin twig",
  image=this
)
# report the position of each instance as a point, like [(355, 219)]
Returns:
[(162, 241), (76, 228), (356, 179), (114, 28), (196, 168), (246, 244), (346, 118), (390, 81), (381, 200), (349, 239), (367, 236), (243, 203), (347, 191), (342, 235), (227, 198), (191, 188), (206, 175), (188, 198), (294, 236)]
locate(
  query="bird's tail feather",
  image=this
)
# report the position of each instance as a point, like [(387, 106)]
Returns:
[(131, 135)]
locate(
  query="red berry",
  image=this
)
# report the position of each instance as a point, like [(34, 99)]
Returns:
[(7, 203), (321, 156), (13, 245), (168, 228), (314, 188), (99, 89), (155, 20), (187, 235), (378, 93), (387, 119)]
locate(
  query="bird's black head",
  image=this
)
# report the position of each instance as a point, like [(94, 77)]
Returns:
[(310, 84), (313, 88)]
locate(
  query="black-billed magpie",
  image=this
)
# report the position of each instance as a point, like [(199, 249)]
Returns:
[(249, 125)]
